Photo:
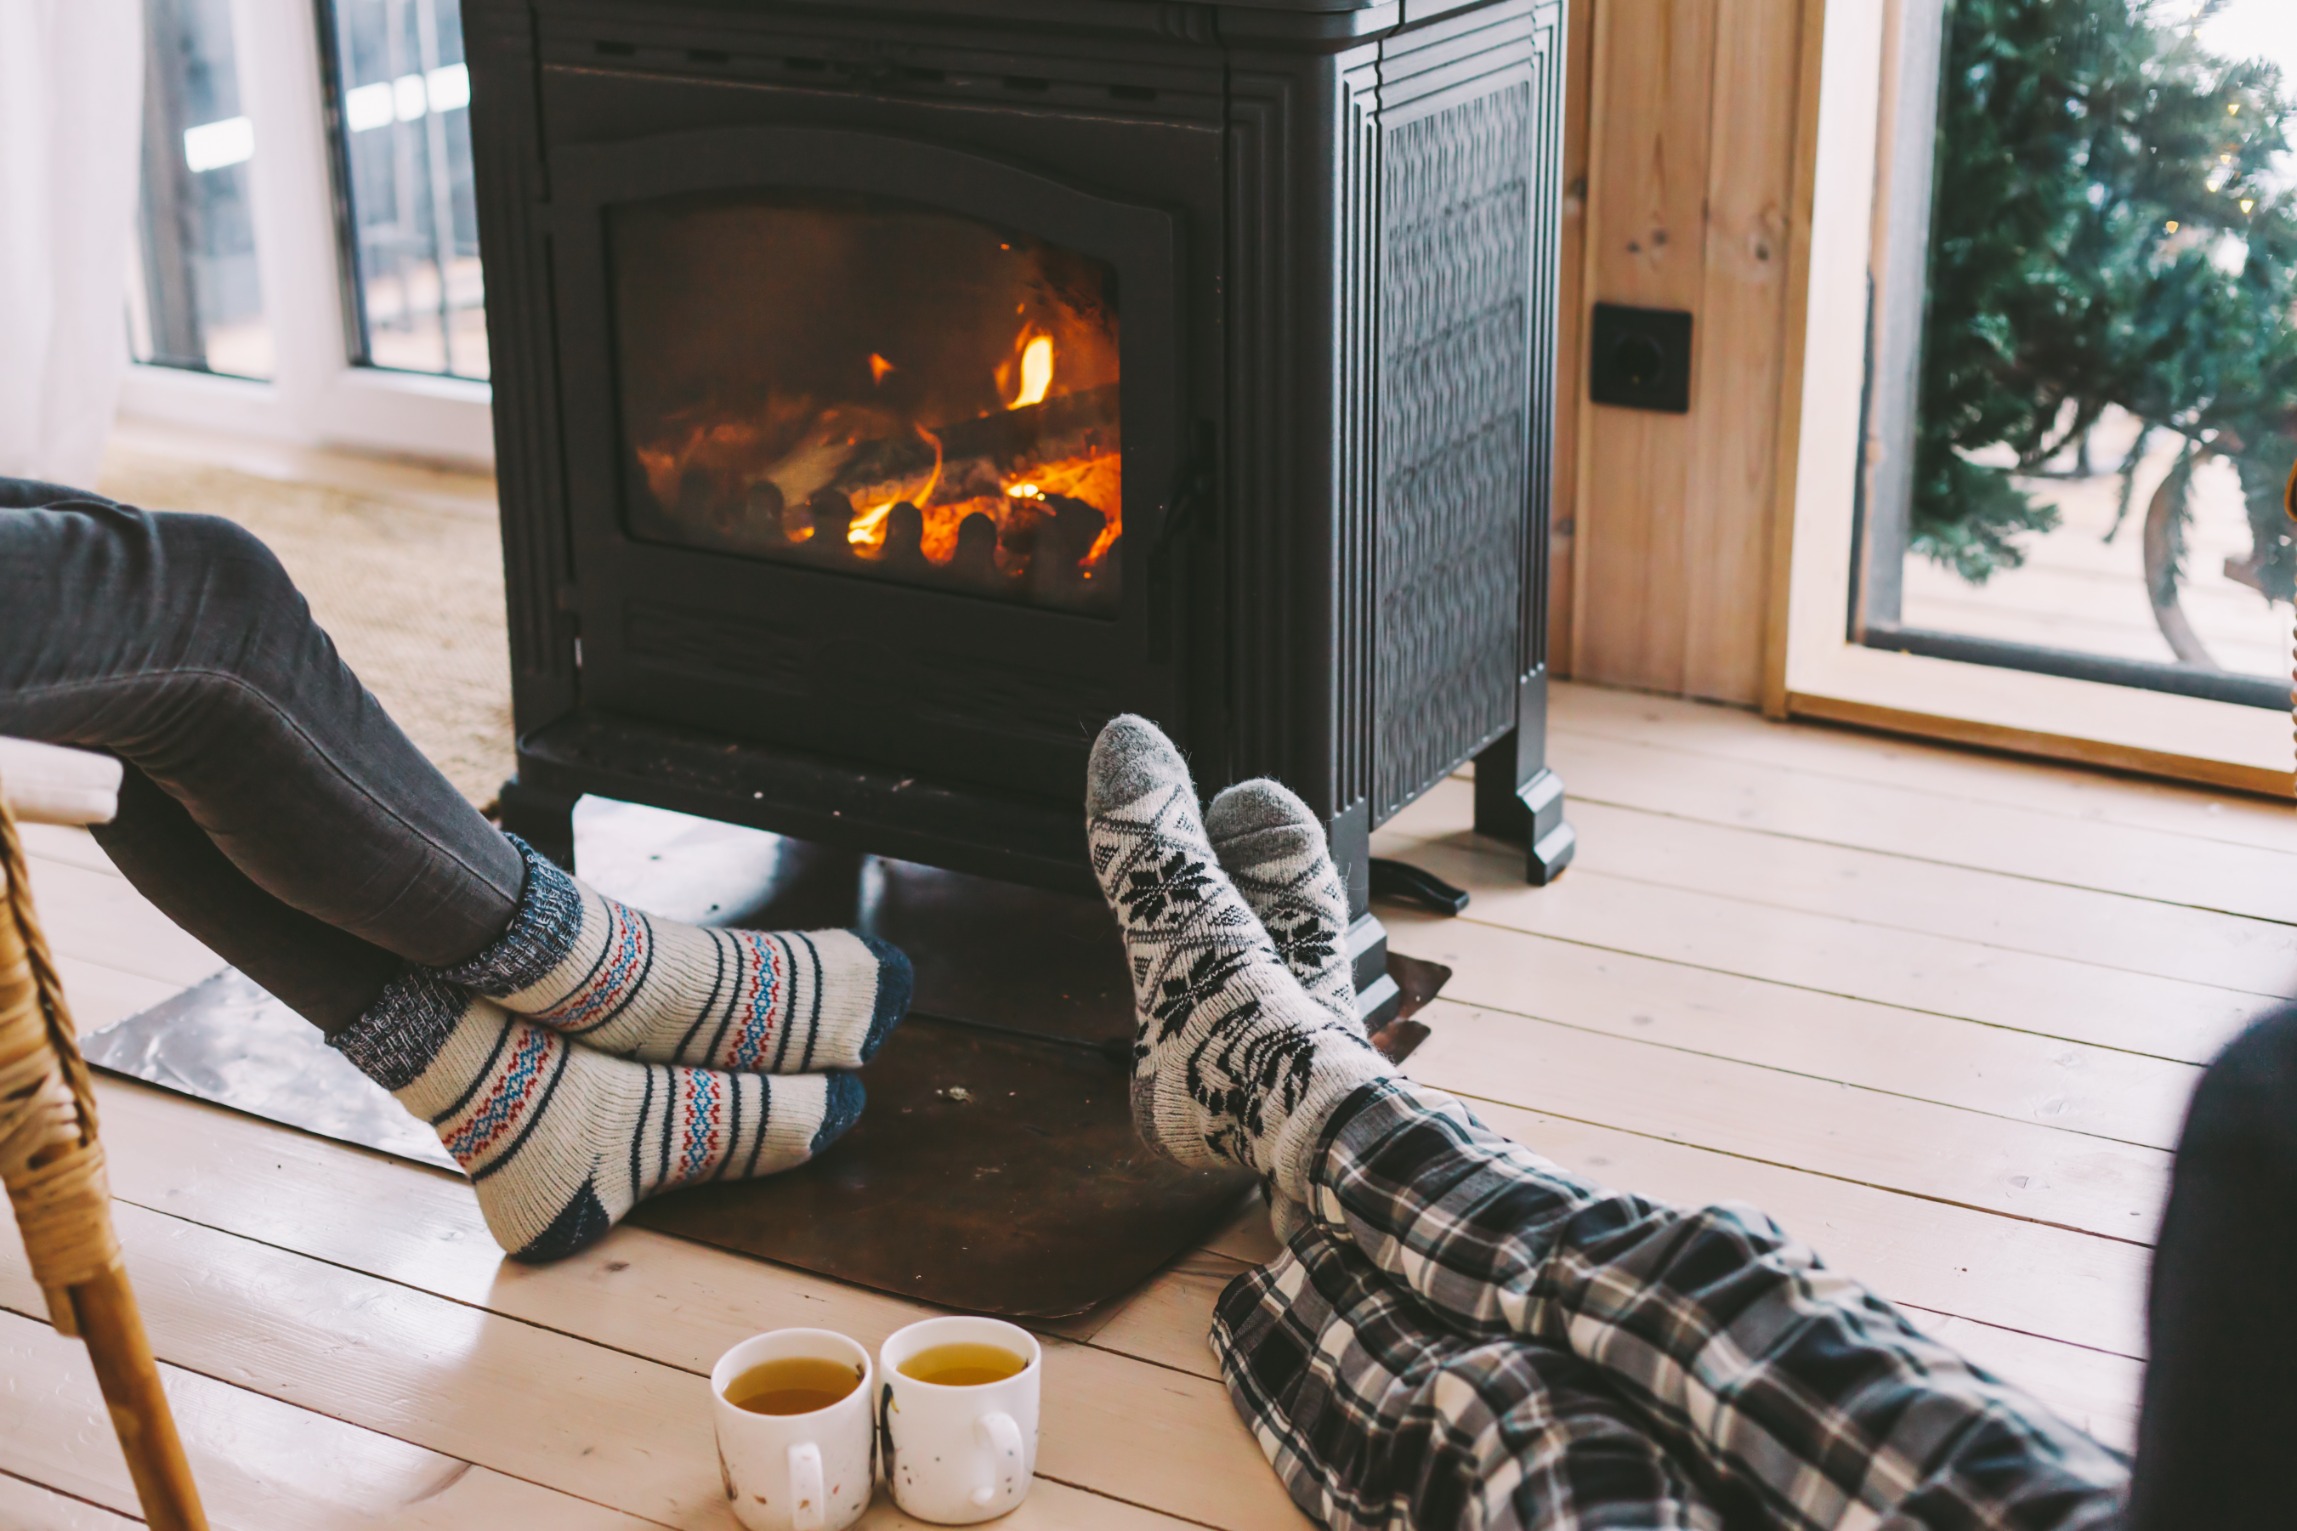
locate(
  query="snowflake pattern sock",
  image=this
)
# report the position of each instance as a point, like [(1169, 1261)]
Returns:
[(618, 980), (1273, 849), (561, 1141), (1275, 852), (1232, 1061)]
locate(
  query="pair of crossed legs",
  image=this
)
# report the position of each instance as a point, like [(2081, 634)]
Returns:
[(1460, 1333), (573, 1054)]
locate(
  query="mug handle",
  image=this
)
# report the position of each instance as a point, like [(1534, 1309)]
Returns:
[(1004, 1440), (806, 1507)]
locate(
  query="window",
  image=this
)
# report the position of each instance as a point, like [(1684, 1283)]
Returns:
[(2003, 342), (404, 92), (2084, 398), (196, 298), (309, 270)]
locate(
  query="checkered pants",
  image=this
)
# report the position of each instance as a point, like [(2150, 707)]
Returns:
[(1467, 1336)]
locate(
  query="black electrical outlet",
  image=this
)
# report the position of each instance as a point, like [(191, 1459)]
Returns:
[(1642, 358)]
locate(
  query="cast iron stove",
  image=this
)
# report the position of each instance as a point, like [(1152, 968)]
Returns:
[(888, 392)]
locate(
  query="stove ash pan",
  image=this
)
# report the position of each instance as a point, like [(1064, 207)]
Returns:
[(886, 396)]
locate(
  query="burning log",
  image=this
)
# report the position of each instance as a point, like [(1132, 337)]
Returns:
[(1066, 425)]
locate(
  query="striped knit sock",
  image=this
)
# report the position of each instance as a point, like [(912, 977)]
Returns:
[(1273, 848), (621, 981), (1233, 1061), (561, 1141)]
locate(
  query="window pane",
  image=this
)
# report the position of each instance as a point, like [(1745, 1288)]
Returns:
[(404, 105), (198, 299), (2105, 407)]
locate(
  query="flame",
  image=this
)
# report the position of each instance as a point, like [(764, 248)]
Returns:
[(716, 462), (1036, 371), (868, 529)]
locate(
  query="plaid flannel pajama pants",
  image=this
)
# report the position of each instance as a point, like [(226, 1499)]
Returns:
[(1467, 1336)]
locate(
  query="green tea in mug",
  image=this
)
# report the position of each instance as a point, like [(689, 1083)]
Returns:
[(792, 1385), (963, 1365)]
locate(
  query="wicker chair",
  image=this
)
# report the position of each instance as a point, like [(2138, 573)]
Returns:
[(51, 1161)]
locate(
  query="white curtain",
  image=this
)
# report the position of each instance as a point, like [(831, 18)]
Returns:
[(71, 109)]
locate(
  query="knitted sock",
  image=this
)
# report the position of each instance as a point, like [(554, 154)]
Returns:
[(621, 981), (561, 1141), (1275, 852), (1233, 1061), (1273, 849)]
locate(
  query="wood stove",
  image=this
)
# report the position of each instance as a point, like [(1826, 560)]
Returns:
[(888, 392)]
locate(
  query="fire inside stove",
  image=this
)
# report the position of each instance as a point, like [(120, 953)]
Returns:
[(873, 389)]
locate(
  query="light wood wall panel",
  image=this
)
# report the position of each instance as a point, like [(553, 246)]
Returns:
[(1690, 118)]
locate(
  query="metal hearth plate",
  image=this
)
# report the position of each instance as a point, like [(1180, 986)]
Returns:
[(227, 1041), (996, 1168)]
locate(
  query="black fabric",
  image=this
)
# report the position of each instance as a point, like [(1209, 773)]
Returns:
[(271, 808), (2220, 1416)]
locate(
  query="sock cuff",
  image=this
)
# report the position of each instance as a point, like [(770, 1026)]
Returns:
[(1349, 1077), (399, 1035), (542, 931)]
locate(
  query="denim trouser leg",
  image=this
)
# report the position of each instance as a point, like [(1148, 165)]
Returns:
[(272, 808)]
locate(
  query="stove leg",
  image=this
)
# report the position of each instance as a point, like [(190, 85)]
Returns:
[(1518, 798), (543, 819), (1377, 997)]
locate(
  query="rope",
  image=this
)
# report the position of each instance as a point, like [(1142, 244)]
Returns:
[(50, 1160)]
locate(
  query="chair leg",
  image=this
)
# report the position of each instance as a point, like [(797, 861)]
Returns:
[(130, 1379), (52, 1165)]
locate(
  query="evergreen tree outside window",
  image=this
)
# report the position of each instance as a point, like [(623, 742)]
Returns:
[(2083, 408)]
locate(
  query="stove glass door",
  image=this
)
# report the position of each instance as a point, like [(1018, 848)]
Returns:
[(861, 385)]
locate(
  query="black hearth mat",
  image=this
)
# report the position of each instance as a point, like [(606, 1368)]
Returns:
[(996, 1168), (995, 1171)]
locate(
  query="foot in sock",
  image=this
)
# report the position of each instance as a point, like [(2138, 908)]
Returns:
[(560, 1141), (1273, 849), (618, 980), (1232, 1060)]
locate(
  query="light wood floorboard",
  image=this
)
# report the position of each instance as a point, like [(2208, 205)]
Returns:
[(1937, 1013)]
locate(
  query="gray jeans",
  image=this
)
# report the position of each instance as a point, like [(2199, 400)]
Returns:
[(270, 806)]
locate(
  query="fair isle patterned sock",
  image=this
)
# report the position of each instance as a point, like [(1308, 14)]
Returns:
[(561, 1141), (1233, 1061), (618, 980), (1272, 847)]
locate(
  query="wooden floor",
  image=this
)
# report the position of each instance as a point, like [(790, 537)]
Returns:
[(1936, 1012)]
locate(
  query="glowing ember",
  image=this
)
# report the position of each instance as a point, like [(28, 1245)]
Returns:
[(879, 367)]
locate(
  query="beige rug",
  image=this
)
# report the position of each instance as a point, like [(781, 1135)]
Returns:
[(406, 577)]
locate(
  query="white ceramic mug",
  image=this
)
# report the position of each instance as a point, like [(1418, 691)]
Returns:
[(956, 1455), (796, 1472)]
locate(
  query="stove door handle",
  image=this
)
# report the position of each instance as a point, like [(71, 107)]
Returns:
[(1198, 490)]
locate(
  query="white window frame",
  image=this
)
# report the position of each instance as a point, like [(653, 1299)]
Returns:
[(317, 396), (1820, 671)]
